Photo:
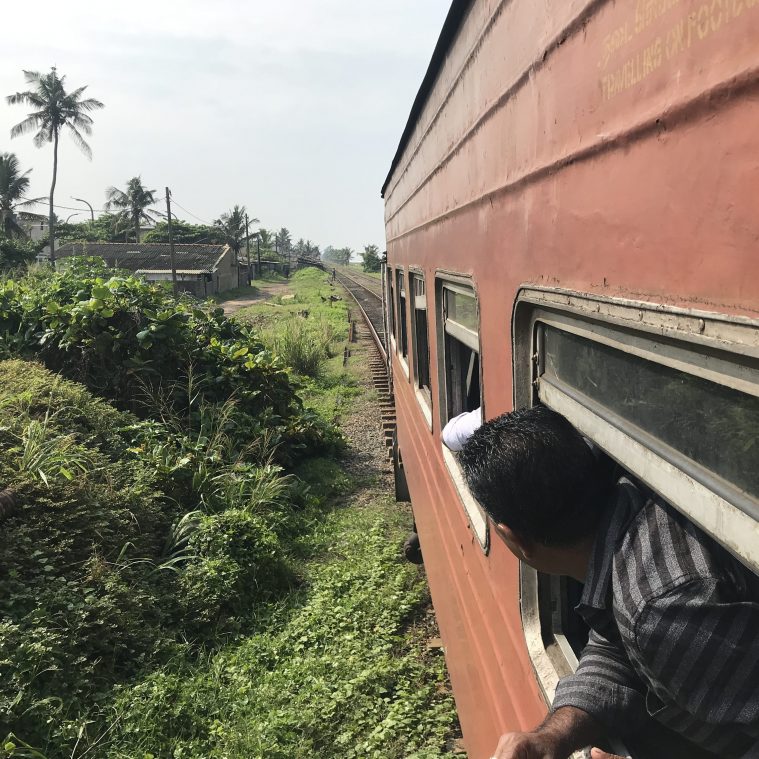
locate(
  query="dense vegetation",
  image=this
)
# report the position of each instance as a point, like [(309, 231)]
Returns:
[(165, 587)]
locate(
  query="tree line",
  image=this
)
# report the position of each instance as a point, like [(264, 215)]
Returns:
[(127, 211), (372, 260)]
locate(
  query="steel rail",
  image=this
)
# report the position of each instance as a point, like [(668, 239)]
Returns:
[(341, 277)]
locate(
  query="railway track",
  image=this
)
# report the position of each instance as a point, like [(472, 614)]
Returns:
[(369, 302), (371, 326)]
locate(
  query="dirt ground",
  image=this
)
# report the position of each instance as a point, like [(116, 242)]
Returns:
[(262, 291)]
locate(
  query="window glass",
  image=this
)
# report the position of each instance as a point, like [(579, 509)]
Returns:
[(391, 303), (461, 353), (402, 327), (420, 327), (463, 377), (461, 308), (713, 425)]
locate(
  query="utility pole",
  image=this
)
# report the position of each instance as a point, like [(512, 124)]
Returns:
[(171, 244), (247, 245)]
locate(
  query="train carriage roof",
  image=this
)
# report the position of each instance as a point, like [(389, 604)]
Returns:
[(451, 26)]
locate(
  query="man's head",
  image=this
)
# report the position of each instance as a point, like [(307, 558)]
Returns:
[(538, 480)]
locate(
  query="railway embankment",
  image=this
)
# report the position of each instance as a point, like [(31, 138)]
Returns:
[(205, 564)]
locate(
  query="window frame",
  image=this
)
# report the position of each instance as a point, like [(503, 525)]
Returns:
[(402, 319), (475, 514), (423, 397), (697, 342), (392, 319)]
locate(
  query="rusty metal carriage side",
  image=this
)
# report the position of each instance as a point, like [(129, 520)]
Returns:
[(601, 147)]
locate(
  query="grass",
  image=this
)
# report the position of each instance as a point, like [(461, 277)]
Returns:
[(335, 671), (358, 267), (309, 330), (329, 660)]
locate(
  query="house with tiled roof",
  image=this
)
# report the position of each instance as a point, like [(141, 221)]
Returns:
[(202, 270)]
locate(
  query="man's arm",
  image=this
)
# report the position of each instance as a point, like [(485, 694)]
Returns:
[(564, 730), (605, 686), (460, 429), (604, 694)]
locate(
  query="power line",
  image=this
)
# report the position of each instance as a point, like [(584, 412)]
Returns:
[(197, 218), (38, 202)]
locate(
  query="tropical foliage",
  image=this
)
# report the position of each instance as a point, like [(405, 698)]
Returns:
[(107, 227), (168, 588), (184, 232), (372, 261), (13, 186), (55, 110), (233, 227), (131, 205), (340, 256), (16, 253)]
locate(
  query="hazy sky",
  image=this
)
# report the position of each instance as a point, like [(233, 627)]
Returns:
[(293, 108)]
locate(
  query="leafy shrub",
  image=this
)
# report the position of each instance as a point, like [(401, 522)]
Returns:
[(303, 345), (16, 253), (118, 335), (239, 562)]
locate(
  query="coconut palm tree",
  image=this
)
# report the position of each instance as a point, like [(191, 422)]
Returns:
[(13, 185), (284, 240), (131, 205), (232, 225), (54, 110)]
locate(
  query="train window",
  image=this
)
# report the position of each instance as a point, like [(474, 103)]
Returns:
[(420, 341), (390, 306), (459, 378), (401, 316), (672, 396)]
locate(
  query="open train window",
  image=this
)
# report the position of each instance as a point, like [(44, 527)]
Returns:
[(390, 307), (402, 318), (420, 343), (671, 395), (459, 377)]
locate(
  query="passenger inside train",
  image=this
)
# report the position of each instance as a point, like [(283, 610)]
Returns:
[(673, 652)]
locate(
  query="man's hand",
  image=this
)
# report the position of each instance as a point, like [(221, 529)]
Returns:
[(596, 753), (562, 732), (527, 746)]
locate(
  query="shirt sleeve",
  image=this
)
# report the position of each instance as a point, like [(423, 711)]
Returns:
[(605, 686), (460, 429), (702, 647)]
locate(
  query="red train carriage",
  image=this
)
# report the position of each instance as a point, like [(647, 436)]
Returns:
[(572, 217)]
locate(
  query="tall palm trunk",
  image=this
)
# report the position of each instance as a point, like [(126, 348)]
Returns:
[(137, 229), (51, 220)]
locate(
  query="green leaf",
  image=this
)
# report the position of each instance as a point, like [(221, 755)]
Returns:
[(100, 292)]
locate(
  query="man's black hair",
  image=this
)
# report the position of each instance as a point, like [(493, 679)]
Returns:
[(532, 471)]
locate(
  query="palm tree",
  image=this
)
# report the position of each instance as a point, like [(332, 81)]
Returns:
[(131, 206), (265, 238), (232, 225), (13, 185), (54, 109), (284, 241)]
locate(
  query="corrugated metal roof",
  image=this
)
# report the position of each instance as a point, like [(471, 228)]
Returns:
[(149, 256)]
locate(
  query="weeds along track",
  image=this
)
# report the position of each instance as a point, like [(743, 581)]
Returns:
[(370, 327)]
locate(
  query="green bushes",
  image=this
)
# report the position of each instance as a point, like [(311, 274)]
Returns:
[(133, 541), (303, 344), (154, 600), (128, 341)]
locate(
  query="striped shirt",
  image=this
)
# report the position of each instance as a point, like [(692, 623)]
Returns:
[(674, 631)]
